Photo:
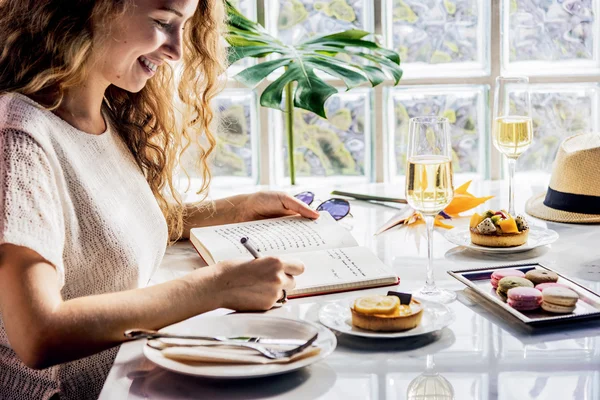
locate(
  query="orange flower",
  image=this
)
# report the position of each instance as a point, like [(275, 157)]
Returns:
[(464, 201)]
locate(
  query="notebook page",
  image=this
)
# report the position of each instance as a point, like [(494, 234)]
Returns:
[(343, 268), (273, 236)]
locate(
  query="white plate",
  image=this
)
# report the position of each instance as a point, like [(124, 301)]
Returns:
[(337, 316), (245, 325), (537, 237)]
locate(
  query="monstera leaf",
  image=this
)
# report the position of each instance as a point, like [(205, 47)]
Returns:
[(249, 39)]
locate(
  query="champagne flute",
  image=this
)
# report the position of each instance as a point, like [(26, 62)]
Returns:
[(430, 385), (512, 128), (429, 185)]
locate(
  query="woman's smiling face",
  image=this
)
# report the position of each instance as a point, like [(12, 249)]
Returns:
[(141, 40)]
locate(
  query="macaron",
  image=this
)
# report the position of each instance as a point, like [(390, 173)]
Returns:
[(524, 298), (543, 286), (541, 276), (505, 284), (559, 300), (503, 273)]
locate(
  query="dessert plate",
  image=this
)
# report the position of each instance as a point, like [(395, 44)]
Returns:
[(337, 316), (537, 237), (245, 325)]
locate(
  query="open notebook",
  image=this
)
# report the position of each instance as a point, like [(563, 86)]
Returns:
[(332, 258)]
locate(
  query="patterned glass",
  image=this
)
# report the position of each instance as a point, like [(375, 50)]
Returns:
[(439, 37), (551, 36), (236, 133), (466, 109), (559, 111), (339, 145), (295, 20)]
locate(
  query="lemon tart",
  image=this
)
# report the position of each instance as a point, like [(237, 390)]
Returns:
[(385, 313)]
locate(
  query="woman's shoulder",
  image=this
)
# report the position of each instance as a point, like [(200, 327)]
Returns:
[(20, 114), (18, 111)]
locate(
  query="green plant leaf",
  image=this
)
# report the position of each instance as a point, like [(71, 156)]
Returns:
[(349, 34), (311, 91), (350, 78), (237, 53), (375, 75), (249, 39), (253, 75)]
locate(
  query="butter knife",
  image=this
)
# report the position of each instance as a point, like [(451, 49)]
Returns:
[(151, 334)]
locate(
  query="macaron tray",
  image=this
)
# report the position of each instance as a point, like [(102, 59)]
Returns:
[(492, 282)]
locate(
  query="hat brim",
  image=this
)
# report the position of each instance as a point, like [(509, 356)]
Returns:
[(535, 207)]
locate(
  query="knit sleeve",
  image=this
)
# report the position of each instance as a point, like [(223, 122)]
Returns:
[(31, 213)]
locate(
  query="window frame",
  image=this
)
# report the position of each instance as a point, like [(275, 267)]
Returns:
[(380, 153)]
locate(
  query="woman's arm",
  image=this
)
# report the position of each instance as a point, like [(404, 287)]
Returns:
[(242, 208), (44, 330)]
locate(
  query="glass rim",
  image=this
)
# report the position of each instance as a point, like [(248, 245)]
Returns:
[(429, 119)]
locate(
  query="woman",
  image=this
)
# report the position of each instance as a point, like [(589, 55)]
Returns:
[(88, 144)]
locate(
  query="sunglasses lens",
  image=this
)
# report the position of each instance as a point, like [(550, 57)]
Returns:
[(306, 197), (338, 208)]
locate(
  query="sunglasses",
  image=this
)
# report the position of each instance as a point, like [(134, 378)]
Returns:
[(338, 208)]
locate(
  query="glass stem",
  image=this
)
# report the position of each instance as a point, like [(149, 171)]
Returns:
[(512, 162), (429, 283), (430, 363)]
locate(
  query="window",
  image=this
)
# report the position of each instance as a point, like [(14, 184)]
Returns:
[(451, 52)]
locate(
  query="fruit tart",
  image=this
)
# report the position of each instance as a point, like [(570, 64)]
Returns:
[(498, 229)]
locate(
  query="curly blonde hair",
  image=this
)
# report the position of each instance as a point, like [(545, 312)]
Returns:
[(45, 48)]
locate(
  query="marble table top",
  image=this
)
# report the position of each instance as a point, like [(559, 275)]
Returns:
[(484, 354)]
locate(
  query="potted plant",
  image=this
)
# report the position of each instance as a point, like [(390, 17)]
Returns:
[(302, 86)]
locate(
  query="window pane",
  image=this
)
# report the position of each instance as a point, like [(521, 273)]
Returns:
[(466, 107), (237, 136), (557, 37), (559, 111), (453, 33), (338, 146), (294, 20)]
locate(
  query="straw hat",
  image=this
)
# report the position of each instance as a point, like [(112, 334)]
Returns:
[(574, 191)]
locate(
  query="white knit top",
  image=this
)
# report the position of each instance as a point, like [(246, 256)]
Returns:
[(81, 202)]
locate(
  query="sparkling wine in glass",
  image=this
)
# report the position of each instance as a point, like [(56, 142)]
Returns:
[(429, 185), (512, 129)]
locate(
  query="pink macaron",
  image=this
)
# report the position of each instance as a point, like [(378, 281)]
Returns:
[(524, 298), (503, 273), (543, 286)]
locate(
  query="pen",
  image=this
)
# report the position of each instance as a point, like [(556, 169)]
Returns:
[(246, 242)]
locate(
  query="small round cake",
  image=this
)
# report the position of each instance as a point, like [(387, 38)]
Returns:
[(559, 300), (543, 286), (503, 273), (505, 284), (401, 317), (524, 298), (498, 229), (538, 276)]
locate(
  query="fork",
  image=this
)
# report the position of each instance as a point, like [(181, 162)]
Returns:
[(268, 352), (152, 334)]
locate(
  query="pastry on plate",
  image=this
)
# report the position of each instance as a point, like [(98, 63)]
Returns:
[(385, 313), (498, 229)]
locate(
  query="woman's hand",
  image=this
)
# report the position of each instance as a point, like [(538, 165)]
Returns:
[(262, 205), (254, 285)]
